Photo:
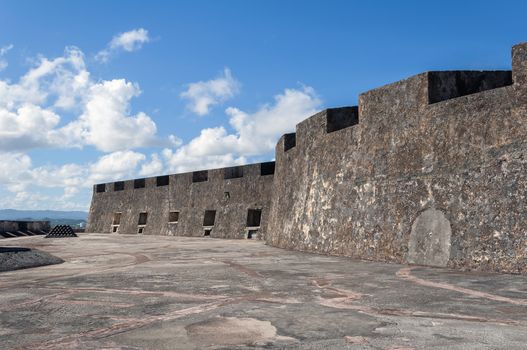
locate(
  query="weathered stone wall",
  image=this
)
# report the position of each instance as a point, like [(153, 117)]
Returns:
[(434, 173), (231, 198), (429, 170)]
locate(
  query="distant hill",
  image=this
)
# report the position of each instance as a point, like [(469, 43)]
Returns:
[(13, 214)]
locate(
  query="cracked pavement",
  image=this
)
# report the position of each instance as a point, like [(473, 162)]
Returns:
[(157, 292)]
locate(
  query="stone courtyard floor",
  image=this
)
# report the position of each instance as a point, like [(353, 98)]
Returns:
[(151, 292)]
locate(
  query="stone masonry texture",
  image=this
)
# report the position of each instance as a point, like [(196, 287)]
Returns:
[(230, 192), (430, 170)]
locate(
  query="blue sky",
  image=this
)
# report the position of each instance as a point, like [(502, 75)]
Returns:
[(95, 91)]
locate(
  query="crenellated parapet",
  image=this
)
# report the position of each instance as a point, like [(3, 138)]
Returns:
[(317, 127), (177, 204), (433, 173), (428, 170)]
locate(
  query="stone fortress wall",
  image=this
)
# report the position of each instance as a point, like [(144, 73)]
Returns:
[(226, 203), (429, 170), (21, 228)]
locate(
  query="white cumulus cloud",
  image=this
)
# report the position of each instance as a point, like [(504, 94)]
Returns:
[(254, 133), (129, 41), (202, 95), (32, 109), (106, 123), (116, 165), (56, 104), (27, 127), (153, 167), (28, 186)]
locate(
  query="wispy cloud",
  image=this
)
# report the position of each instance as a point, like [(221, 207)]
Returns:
[(202, 95), (3, 51), (130, 41)]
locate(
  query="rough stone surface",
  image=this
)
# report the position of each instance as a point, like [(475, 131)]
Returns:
[(231, 198), (359, 191), (353, 181), (125, 292), (430, 239)]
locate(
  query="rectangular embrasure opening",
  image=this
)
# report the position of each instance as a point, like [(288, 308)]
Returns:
[(253, 217), (173, 216), (233, 172), (142, 218), (118, 186), (209, 217), (162, 180), (116, 219), (444, 86), (289, 141), (267, 168), (100, 188), (252, 234), (139, 183), (341, 118), (200, 176)]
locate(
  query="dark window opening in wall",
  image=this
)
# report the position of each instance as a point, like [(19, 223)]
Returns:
[(100, 188), (233, 172), (116, 219), (341, 118), (207, 232), (200, 176), (209, 217), (115, 228), (118, 186), (289, 141), (140, 230), (139, 183), (163, 180), (253, 217), (252, 234), (142, 219), (267, 168), (173, 216), (443, 86)]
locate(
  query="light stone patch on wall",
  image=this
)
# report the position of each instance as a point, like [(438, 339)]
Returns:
[(430, 239)]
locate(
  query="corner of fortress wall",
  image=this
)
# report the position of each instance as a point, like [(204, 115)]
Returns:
[(433, 173), (429, 170)]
